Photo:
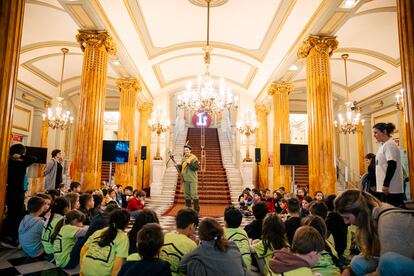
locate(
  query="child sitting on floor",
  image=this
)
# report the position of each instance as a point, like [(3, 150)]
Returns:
[(232, 231), (105, 251), (31, 226), (307, 246), (64, 237), (179, 243), (149, 242)]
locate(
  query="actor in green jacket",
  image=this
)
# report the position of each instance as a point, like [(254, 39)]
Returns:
[(189, 168)]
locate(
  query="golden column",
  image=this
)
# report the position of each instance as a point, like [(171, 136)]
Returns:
[(281, 131), (262, 143), (39, 182), (144, 139), (129, 89), (405, 14), (361, 152), (89, 128), (317, 51), (11, 24)]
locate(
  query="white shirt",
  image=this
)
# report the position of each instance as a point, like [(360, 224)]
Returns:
[(386, 152)]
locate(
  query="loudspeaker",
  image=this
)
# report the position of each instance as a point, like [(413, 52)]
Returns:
[(143, 152), (257, 156)]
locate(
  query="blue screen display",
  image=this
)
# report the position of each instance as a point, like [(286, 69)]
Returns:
[(115, 151)]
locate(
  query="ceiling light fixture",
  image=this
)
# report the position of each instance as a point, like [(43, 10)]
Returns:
[(59, 118), (293, 67), (349, 4), (349, 124), (206, 95)]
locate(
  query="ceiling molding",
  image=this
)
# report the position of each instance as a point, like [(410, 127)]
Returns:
[(35, 92), (28, 65), (371, 77), (121, 48), (81, 15), (40, 3), (295, 45), (394, 62), (380, 94), (161, 80), (47, 44), (376, 10), (257, 54)]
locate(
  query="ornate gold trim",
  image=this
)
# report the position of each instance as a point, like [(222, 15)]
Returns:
[(87, 38), (213, 3), (40, 3), (376, 10), (109, 26), (322, 44), (371, 77), (333, 23), (47, 44), (29, 88), (161, 80), (298, 40), (257, 54), (28, 65), (128, 84), (394, 62), (27, 128), (81, 16), (280, 88)]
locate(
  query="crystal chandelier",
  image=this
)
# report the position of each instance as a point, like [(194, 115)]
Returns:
[(247, 126), (206, 95), (59, 118), (158, 124), (352, 119)]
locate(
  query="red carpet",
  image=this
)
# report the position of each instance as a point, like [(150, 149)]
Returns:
[(214, 194)]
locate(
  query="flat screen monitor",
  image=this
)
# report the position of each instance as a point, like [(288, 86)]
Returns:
[(39, 153), (115, 151), (293, 154)]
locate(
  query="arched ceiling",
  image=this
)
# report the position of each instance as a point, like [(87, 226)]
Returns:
[(255, 42)]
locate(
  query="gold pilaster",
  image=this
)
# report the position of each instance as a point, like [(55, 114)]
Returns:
[(281, 131), (405, 14), (262, 142), (97, 45), (317, 51), (144, 139), (129, 89), (361, 153), (11, 24), (38, 183)]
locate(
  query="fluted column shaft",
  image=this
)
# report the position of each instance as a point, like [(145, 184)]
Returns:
[(144, 139), (281, 131), (361, 153), (317, 51), (11, 24), (405, 14), (129, 89), (262, 143), (89, 128)]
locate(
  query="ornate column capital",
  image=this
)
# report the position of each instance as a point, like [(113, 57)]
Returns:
[(128, 84), (95, 39), (280, 87), (322, 44), (262, 108), (145, 106)]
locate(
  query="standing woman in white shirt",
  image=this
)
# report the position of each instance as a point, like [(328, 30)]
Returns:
[(388, 169)]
